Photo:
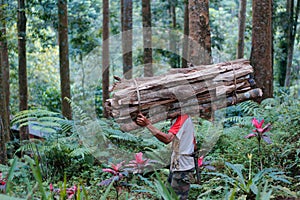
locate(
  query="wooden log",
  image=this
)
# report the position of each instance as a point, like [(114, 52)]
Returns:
[(123, 83), (202, 97), (241, 61), (183, 91), (202, 110), (217, 73), (195, 90)]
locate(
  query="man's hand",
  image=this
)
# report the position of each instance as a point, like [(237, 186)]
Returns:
[(141, 120)]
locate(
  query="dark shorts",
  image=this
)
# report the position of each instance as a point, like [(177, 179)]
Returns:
[(180, 182)]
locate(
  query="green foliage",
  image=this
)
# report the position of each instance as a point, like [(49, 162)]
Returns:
[(68, 153), (107, 191), (10, 176), (265, 193), (51, 99), (250, 187), (19, 184), (36, 170), (166, 192), (77, 158), (5, 197), (283, 153), (42, 120)]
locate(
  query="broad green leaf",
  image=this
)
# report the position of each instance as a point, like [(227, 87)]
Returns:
[(5, 197), (10, 175), (107, 190)]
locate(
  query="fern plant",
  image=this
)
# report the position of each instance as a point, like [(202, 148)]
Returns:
[(40, 120)]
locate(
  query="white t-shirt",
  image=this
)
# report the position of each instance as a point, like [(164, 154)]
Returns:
[(182, 144)]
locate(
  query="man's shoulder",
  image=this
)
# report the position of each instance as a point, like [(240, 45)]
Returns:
[(180, 121)]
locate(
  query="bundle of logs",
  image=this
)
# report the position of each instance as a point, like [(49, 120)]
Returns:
[(199, 90)]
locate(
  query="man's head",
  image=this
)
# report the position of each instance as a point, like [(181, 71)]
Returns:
[(174, 115)]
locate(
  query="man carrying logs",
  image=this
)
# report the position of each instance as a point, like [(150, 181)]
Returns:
[(181, 134), (197, 91)]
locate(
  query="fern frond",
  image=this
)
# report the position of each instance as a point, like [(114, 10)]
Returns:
[(80, 152), (269, 102), (43, 120), (28, 145), (238, 120), (117, 134), (66, 126), (248, 107), (79, 114)]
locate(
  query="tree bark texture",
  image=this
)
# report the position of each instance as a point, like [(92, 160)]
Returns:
[(242, 24), (195, 91), (4, 63), (261, 53), (200, 40), (3, 154), (282, 58), (185, 48), (23, 89), (105, 55), (127, 39), (3, 112), (174, 58), (147, 38), (122, 17), (64, 57), (291, 33)]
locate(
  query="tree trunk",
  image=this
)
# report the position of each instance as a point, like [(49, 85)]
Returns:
[(64, 57), (122, 17), (147, 35), (282, 58), (23, 89), (173, 59), (127, 39), (292, 28), (5, 68), (200, 43), (242, 24), (3, 154), (105, 55), (185, 48), (261, 53), (3, 109)]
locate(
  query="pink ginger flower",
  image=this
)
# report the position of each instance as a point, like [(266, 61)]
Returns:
[(259, 132)]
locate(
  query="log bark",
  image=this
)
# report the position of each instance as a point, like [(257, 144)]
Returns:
[(196, 91), (202, 111)]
